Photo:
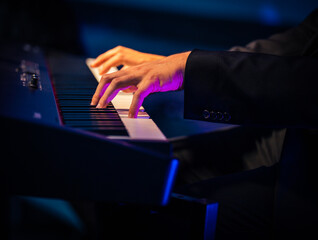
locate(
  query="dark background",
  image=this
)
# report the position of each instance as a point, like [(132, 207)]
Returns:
[(90, 27)]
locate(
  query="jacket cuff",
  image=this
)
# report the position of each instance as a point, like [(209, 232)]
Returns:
[(201, 101)]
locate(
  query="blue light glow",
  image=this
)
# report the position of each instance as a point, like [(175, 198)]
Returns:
[(170, 180), (57, 208), (210, 221), (269, 15)]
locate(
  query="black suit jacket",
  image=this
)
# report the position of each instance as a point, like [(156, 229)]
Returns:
[(269, 82)]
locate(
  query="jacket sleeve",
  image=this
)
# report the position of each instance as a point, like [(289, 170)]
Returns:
[(251, 88)]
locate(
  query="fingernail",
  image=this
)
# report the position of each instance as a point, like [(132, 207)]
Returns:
[(99, 105)]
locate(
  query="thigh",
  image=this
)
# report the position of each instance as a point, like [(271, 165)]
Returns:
[(225, 152)]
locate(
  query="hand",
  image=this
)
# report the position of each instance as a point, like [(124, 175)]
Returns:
[(165, 74), (122, 56)]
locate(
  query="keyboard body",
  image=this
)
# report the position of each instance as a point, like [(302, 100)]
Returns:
[(56, 145)]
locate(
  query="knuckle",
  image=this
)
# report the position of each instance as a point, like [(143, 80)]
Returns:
[(153, 76), (116, 82), (120, 56), (138, 68), (119, 48), (107, 77), (103, 79)]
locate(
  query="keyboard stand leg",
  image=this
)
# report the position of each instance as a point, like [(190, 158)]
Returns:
[(195, 218)]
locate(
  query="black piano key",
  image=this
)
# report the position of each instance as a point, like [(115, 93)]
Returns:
[(68, 105), (77, 117), (91, 123), (77, 103), (88, 116), (74, 81), (79, 109), (70, 87), (76, 91), (74, 96)]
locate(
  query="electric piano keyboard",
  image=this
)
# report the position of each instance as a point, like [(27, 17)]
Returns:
[(60, 146), (74, 95)]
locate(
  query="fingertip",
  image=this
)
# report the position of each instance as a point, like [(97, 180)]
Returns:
[(99, 105), (101, 71), (98, 61), (95, 63), (135, 105), (94, 100), (132, 115)]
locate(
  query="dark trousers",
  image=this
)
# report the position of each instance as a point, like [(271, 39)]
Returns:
[(238, 169), (246, 202)]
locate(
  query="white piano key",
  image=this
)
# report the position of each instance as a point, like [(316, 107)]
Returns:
[(143, 129), (123, 100), (95, 72)]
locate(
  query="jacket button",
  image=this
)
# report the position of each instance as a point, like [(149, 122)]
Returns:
[(206, 114), (219, 116), (214, 115), (226, 116)]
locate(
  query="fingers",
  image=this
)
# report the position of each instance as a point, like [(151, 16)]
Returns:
[(101, 88), (109, 94), (104, 57), (137, 101), (122, 56), (111, 58), (112, 62), (110, 85), (135, 105)]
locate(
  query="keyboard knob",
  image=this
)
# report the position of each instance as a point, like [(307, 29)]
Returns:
[(34, 81)]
